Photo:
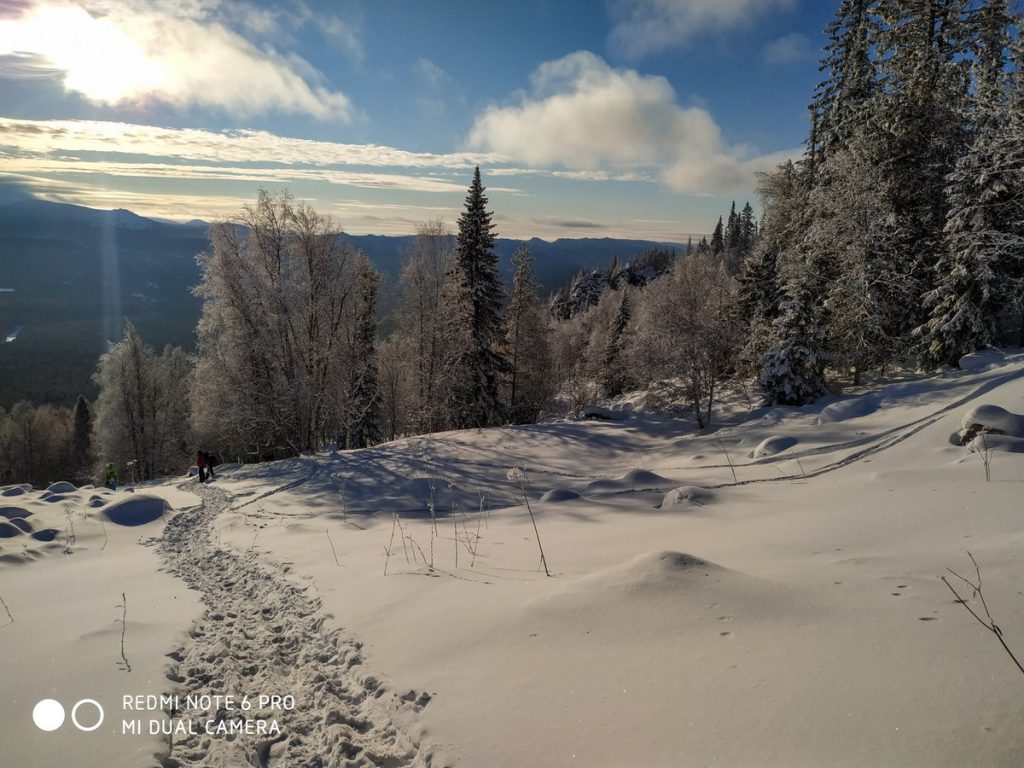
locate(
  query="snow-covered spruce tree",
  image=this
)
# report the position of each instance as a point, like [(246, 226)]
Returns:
[(615, 375), (277, 288), (364, 428), (141, 409), (778, 258), (758, 304), (527, 344), (792, 371), (920, 48), (850, 80), (476, 298), (1013, 152), (863, 285), (977, 276)]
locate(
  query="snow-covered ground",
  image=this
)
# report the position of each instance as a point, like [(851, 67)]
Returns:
[(764, 595)]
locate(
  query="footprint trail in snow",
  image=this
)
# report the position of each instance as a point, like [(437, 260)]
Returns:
[(263, 635)]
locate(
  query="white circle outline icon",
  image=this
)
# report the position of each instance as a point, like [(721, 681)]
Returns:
[(48, 715), (74, 715)]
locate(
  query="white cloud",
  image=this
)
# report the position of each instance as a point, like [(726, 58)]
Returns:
[(431, 74), (788, 48), (261, 175), (585, 116), (648, 26), (124, 52), (232, 146)]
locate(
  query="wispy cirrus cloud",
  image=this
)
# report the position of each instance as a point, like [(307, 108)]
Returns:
[(124, 52), (643, 27), (594, 121), (103, 164), (788, 49), (227, 146)]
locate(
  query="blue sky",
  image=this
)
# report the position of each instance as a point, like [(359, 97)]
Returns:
[(626, 118)]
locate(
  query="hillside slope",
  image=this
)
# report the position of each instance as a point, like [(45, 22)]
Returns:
[(790, 615)]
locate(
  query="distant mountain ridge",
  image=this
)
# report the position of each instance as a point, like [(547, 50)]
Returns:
[(71, 274)]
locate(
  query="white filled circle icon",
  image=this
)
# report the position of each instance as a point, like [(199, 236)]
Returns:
[(48, 715)]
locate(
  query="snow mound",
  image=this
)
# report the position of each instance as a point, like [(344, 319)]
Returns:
[(137, 510), (687, 497), (8, 528), (96, 501), (1005, 443), (663, 571), (10, 512), (52, 498), (602, 413), (852, 408), (773, 445), (992, 420), (22, 523), (560, 494), (979, 361), (634, 480), (15, 490), (62, 486), (47, 534)]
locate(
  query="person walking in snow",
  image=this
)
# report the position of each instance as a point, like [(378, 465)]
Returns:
[(110, 476), (206, 462)]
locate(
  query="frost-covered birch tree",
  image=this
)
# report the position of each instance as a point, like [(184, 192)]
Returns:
[(275, 329)]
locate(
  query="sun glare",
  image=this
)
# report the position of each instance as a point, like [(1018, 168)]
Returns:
[(99, 59)]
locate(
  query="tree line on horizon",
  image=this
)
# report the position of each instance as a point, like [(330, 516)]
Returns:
[(897, 238)]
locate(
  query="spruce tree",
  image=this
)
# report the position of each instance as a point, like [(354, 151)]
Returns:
[(920, 110), (747, 230), (616, 377), (732, 229), (760, 295), (364, 426), (718, 239), (476, 271), (792, 371), (850, 78), (975, 276)]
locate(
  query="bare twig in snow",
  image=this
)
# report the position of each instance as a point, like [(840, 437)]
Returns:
[(4, 604), (123, 663), (328, 532), (728, 458), (988, 623)]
